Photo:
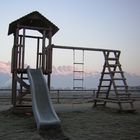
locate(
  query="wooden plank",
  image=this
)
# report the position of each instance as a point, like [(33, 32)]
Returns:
[(83, 48), (23, 83), (113, 100)]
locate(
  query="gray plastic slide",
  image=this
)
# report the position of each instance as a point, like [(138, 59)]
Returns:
[(44, 113)]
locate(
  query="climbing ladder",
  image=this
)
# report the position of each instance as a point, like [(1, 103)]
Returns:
[(112, 85), (78, 69)]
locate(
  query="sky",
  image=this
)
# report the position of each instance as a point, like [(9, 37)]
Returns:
[(107, 24)]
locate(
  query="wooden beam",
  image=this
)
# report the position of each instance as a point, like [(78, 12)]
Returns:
[(29, 36), (23, 83), (33, 28), (84, 48)]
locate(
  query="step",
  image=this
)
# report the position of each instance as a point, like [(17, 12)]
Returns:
[(105, 79), (113, 65), (113, 79), (79, 63), (112, 59), (117, 72), (80, 79), (103, 86), (106, 100), (112, 72), (80, 71), (119, 79), (115, 100)]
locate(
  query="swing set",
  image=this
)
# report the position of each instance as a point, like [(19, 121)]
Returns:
[(112, 75)]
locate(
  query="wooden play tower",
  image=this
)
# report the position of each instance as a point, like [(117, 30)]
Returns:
[(33, 21), (112, 84)]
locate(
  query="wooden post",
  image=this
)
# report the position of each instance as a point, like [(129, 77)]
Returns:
[(50, 58), (37, 58), (23, 53), (14, 74), (43, 50)]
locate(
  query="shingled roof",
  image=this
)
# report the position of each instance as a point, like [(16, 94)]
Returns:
[(34, 19)]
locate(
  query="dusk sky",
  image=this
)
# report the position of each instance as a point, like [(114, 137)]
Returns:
[(112, 24)]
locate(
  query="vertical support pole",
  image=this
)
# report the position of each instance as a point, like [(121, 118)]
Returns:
[(37, 59), (50, 58), (23, 53), (20, 52), (43, 50), (22, 60), (14, 65), (20, 55)]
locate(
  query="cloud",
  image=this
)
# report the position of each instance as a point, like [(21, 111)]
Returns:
[(5, 67), (62, 70), (67, 70), (62, 77)]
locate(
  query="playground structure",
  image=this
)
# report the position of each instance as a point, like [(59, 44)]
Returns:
[(41, 103), (112, 75), (32, 21), (112, 78)]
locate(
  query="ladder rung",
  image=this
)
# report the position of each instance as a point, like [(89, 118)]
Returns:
[(78, 71), (114, 100), (112, 59), (103, 86), (79, 63), (112, 72), (105, 79), (113, 65), (118, 79), (105, 73), (116, 71), (113, 79), (78, 79)]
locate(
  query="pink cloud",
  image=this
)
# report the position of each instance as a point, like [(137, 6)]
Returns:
[(5, 67), (66, 70), (62, 70)]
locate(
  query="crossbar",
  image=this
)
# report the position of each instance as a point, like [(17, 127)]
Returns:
[(84, 48)]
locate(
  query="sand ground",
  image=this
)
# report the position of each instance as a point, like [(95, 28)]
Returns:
[(78, 122)]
